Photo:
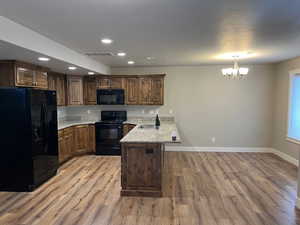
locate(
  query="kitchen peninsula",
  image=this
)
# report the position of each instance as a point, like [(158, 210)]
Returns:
[(143, 157)]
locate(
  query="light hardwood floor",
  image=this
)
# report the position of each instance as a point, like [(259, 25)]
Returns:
[(200, 188)]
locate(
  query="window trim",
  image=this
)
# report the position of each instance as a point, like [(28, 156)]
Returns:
[(292, 74)]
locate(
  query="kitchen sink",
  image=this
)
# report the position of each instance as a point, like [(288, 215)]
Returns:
[(147, 126)]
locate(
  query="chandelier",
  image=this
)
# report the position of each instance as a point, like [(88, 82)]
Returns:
[(235, 72)]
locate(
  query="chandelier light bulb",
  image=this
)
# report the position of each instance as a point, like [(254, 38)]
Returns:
[(235, 72)]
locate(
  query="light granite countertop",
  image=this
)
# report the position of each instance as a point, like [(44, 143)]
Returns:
[(138, 135), (66, 124), (152, 135)]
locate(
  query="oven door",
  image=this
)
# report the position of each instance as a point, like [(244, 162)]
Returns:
[(110, 97), (108, 138)]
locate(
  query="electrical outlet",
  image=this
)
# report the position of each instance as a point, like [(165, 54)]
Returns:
[(213, 140), (89, 111), (171, 111)]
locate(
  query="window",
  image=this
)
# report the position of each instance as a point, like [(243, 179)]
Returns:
[(294, 108)]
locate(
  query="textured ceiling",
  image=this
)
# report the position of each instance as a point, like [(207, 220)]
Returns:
[(174, 32)]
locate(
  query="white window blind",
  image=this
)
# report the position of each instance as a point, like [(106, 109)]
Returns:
[(294, 108)]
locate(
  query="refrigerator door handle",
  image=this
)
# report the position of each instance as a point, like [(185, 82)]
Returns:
[(43, 123)]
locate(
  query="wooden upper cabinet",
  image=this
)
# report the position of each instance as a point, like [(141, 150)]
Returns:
[(145, 88), (110, 82), (61, 90), (57, 82), (25, 77), (28, 75), (90, 90), (81, 135), (51, 82), (103, 82), (157, 91), (75, 90), (117, 83), (20, 74), (132, 91), (41, 79)]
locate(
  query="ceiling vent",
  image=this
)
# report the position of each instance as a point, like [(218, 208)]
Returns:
[(99, 54)]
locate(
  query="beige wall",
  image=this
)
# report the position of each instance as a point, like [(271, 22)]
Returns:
[(237, 113), (281, 107)]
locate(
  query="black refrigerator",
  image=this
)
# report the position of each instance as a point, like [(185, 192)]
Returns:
[(28, 138)]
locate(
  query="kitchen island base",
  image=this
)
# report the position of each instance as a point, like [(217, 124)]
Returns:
[(142, 169)]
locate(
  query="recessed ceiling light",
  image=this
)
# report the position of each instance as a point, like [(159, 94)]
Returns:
[(106, 41), (44, 59), (150, 58), (131, 62), (72, 68), (122, 54), (91, 73)]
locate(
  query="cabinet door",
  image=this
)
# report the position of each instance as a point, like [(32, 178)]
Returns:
[(75, 90), (92, 139), (90, 91), (146, 159), (25, 77), (117, 83), (104, 82), (61, 146), (41, 79), (132, 91), (157, 91), (145, 88), (61, 90), (81, 135), (52, 82), (69, 141)]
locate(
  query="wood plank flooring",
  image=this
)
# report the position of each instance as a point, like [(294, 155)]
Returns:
[(200, 189)]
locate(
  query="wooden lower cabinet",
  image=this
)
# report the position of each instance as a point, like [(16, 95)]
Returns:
[(66, 144), (81, 134), (142, 165), (76, 140), (127, 128), (92, 139)]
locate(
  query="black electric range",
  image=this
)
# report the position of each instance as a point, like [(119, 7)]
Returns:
[(109, 132)]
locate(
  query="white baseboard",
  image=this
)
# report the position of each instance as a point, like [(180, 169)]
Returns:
[(215, 149), (232, 149), (286, 157)]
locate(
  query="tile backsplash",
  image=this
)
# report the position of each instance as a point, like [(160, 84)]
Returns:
[(94, 112)]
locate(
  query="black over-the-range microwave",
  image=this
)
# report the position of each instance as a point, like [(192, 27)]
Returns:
[(110, 97)]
